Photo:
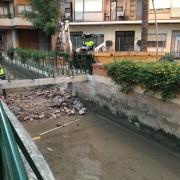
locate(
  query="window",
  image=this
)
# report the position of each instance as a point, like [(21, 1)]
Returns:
[(93, 5), (3, 11), (99, 39), (76, 38), (159, 5), (79, 10), (161, 40), (23, 7), (175, 4), (124, 40)]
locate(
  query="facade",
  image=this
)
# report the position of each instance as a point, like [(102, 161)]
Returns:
[(66, 10), (16, 31), (120, 22)]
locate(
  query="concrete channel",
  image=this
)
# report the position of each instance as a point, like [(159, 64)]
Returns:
[(96, 149)]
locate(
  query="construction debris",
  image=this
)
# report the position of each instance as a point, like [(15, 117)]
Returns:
[(45, 103)]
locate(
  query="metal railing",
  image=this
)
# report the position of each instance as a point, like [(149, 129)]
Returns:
[(11, 164), (59, 64), (107, 15)]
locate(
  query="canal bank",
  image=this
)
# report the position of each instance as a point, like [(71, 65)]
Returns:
[(95, 148), (146, 114)]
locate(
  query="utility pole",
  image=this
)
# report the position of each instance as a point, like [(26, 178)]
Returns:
[(144, 29), (157, 33)]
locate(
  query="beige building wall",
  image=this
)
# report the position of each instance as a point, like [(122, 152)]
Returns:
[(109, 32)]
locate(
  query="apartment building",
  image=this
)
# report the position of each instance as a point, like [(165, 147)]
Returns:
[(66, 10), (15, 31), (120, 22)]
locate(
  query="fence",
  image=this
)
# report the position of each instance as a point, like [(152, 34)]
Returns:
[(11, 164), (50, 64)]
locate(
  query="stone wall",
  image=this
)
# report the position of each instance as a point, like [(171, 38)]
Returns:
[(133, 108)]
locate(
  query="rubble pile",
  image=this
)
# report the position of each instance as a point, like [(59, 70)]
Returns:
[(45, 103)]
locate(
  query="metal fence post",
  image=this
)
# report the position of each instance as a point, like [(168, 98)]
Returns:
[(1, 161)]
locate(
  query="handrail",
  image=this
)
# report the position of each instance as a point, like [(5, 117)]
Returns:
[(12, 166)]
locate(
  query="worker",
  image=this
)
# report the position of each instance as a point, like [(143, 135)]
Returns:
[(2, 77), (88, 43)]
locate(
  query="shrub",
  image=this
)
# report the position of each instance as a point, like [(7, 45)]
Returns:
[(109, 43), (168, 57), (10, 53), (34, 54), (153, 77)]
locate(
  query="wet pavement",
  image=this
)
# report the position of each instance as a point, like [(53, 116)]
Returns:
[(96, 149)]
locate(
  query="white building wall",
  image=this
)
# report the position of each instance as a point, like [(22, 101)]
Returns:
[(109, 32)]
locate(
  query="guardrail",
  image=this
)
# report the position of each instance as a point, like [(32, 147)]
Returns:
[(43, 66), (11, 164)]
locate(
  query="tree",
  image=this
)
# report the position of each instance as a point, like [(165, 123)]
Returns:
[(44, 15), (144, 29)]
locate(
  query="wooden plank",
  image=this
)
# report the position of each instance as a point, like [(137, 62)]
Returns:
[(5, 84)]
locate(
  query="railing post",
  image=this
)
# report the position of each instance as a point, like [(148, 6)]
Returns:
[(1, 161), (14, 165)]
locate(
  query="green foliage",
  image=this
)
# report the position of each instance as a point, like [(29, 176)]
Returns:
[(109, 43), (153, 77), (10, 52), (167, 58), (35, 54), (44, 16)]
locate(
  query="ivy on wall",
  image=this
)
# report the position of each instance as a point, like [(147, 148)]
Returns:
[(163, 77)]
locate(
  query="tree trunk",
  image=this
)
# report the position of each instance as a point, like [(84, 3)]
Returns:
[(144, 29)]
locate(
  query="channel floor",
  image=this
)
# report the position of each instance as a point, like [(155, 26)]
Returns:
[(95, 149)]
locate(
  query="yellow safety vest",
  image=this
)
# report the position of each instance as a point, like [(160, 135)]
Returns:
[(2, 72), (89, 43)]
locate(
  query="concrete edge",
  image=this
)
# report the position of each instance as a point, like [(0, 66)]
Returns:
[(37, 157), (5, 84)]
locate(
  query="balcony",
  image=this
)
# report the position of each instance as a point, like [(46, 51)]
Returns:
[(6, 0), (106, 16), (5, 22), (19, 21), (88, 16), (175, 13)]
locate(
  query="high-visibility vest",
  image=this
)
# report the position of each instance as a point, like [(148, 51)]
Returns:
[(89, 43), (2, 73)]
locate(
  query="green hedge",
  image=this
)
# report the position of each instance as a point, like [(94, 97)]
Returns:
[(35, 54), (153, 77)]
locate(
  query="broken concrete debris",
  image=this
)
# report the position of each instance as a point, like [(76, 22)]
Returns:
[(45, 103)]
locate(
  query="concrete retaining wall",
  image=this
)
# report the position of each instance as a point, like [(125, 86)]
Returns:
[(134, 108)]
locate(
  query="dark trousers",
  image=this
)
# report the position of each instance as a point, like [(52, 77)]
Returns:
[(3, 90)]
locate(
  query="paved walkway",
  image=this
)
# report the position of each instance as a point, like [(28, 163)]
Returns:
[(94, 149)]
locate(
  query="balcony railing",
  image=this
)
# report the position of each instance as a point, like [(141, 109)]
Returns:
[(107, 16)]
